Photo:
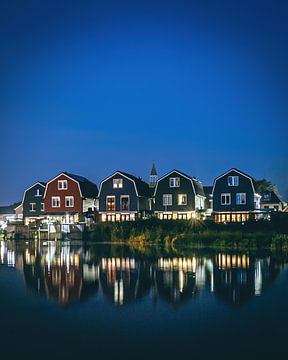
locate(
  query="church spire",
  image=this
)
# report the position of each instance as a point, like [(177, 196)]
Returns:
[(153, 176)]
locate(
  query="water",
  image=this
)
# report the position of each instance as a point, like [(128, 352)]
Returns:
[(67, 300)]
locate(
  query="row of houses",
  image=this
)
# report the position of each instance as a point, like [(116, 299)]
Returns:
[(72, 199)]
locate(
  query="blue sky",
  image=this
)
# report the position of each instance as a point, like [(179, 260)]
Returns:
[(93, 87)]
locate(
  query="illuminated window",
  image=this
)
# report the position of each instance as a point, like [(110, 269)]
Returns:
[(55, 201), (233, 180), (241, 198), (124, 201), (69, 201), (174, 182), (110, 203), (117, 183), (167, 199), (42, 207), (225, 199), (32, 207), (182, 199), (62, 185)]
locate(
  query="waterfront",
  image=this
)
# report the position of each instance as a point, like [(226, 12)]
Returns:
[(65, 300)]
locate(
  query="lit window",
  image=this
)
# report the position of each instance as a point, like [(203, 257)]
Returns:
[(69, 201), (110, 203), (117, 183), (32, 207), (167, 199), (42, 207), (62, 185), (182, 199), (266, 196), (233, 180), (241, 198), (225, 199), (174, 182), (124, 201), (55, 201)]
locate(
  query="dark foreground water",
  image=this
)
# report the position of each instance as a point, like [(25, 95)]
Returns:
[(66, 301)]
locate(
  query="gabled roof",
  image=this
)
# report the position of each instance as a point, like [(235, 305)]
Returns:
[(271, 199), (10, 209), (196, 184), (141, 187), (253, 182), (86, 187)]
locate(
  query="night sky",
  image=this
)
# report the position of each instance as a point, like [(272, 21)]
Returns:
[(92, 87)]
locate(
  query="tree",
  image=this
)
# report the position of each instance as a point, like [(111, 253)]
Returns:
[(265, 185)]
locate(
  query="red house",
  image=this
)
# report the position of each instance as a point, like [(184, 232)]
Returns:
[(68, 198)]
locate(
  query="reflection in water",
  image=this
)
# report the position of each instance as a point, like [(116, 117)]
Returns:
[(67, 273)]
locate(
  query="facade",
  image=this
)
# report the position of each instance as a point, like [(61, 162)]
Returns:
[(123, 197), (208, 199), (178, 196), (33, 202), (9, 214), (234, 197), (271, 201), (70, 198)]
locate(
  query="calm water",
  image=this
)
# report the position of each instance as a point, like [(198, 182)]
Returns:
[(70, 300)]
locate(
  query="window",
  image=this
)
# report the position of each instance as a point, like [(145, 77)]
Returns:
[(117, 183), (38, 192), (55, 201), (124, 201), (266, 197), (110, 203), (42, 207), (167, 199), (69, 201), (225, 199), (174, 182), (62, 185), (32, 207), (182, 199), (233, 180), (241, 198)]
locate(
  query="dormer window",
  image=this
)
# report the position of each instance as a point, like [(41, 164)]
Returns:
[(62, 185), (174, 182), (266, 197), (117, 183), (233, 180)]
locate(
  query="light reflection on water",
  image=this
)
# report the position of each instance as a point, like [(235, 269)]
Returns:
[(67, 273)]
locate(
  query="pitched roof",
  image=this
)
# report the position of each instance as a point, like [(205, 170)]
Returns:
[(88, 189), (208, 190), (10, 209), (269, 197), (143, 188), (253, 181), (153, 170)]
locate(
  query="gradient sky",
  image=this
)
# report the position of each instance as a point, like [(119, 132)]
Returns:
[(91, 87)]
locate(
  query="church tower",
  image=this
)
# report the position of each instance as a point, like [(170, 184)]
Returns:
[(153, 177)]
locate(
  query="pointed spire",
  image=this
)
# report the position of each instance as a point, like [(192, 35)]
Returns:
[(153, 176), (153, 170)]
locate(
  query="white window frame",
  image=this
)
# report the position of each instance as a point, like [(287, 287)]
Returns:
[(42, 206), (226, 195), (32, 207), (118, 183), (71, 203), (38, 193), (234, 180), (124, 196), (179, 199), (61, 185), (167, 200), (174, 182), (55, 198), (111, 197), (240, 196)]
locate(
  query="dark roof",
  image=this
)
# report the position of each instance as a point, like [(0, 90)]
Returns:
[(153, 170), (208, 190), (88, 189), (42, 183), (269, 197), (243, 173), (142, 187), (10, 209)]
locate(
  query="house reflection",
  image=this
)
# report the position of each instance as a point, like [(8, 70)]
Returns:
[(239, 277)]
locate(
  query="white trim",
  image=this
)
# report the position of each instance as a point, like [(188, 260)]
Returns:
[(29, 189), (123, 196), (237, 171), (181, 174), (106, 202), (237, 194), (225, 194), (69, 197), (69, 177), (58, 198), (109, 177)]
